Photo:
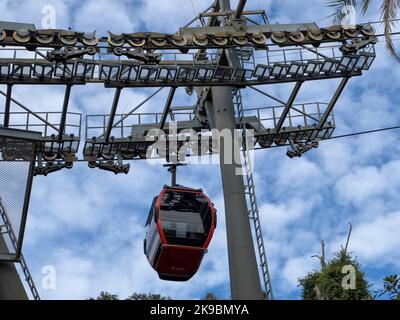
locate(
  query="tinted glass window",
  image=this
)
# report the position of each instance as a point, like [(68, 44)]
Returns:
[(186, 218), (151, 212)]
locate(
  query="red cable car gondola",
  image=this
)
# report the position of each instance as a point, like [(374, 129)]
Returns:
[(180, 225)]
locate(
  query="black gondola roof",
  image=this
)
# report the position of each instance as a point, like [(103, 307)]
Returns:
[(179, 187)]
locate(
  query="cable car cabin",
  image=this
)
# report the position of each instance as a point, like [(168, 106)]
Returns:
[(180, 225)]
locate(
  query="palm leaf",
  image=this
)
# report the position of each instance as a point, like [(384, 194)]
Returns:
[(337, 6), (389, 10), (365, 6), (389, 15)]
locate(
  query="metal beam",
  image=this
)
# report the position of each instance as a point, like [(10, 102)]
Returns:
[(167, 108), (243, 269), (8, 257), (267, 95), (134, 110), (283, 103), (288, 106), (224, 14), (64, 112), (25, 209), (20, 134), (8, 106), (225, 5), (183, 108), (199, 16), (234, 82), (315, 52), (240, 8), (333, 102), (11, 287), (114, 107), (19, 104)]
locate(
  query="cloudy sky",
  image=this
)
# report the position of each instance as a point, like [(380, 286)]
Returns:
[(89, 224)]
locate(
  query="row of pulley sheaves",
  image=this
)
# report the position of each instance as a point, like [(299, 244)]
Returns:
[(184, 40)]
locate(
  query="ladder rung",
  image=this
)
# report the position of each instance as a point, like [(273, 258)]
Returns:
[(250, 191)]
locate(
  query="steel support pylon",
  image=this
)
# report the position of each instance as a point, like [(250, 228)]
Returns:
[(244, 276)]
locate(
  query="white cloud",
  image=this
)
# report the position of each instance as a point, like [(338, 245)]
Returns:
[(279, 216), (103, 16), (27, 11), (89, 224), (368, 183), (296, 268), (375, 241), (168, 15), (360, 186)]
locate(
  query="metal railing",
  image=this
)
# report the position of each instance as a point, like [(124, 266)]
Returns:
[(304, 115), (34, 122), (97, 124)]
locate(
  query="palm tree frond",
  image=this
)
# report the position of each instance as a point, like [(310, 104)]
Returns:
[(365, 6), (338, 15), (389, 10), (389, 15)]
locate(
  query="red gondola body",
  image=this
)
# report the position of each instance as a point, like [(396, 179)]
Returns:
[(180, 225)]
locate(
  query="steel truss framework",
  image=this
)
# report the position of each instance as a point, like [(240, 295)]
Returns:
[(17, 144), (177, 73), (232, 48)]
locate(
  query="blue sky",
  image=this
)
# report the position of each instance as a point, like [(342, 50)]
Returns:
[(90, 224)]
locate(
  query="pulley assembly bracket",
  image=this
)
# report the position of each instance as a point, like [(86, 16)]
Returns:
[(298, 149), (116, 167), (65, 54), (357, 44), (139, 54)]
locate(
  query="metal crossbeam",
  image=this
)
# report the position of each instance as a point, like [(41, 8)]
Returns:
[(130, 113), (25, 208), (114, 107), (167, 108), (333, 102), (240, 8), (288, 106), (196, 72), (180, 75), (33, 113), (8, 105), (20, 134), (64, 112)]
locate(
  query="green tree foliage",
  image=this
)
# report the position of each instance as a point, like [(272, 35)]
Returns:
[(391, 285), (142, 296), (106, 296), (326, 284), (209, 296)]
